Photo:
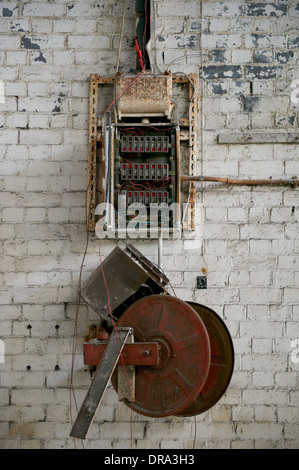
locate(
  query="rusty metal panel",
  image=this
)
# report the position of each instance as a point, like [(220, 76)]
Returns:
[(150, 95), (125, 271), (91, 189)]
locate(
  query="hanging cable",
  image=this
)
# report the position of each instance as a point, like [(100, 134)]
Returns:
[(74, 346), (121, 35), (115, 329)]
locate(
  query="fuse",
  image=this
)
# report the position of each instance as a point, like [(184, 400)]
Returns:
[(141, 197), (153, 171), (140, 144), (147, 172), (159, 172), (129, 144), (123, 171), (135, 198), (135, 144), (123, 143), (135, 172), (129, 172), (147, 144), (141, 171), (153, 197)]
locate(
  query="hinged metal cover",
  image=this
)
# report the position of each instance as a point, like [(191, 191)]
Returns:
[(125, 271)]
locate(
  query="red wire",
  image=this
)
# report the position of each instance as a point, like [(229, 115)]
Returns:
[(123, 91), (145, 24)]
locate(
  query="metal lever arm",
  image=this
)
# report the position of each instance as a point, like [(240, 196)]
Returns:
[(100, 382)]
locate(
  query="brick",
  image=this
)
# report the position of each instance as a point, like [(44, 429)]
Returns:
[(10, 42), (265, 9), (8, 136), (87, 10), (261, 295), (40, 104), (42, 136), (256, 431), (17, 120), (265, 40), (228, 9), (43, 10), (52, 42), (221, 40), (181, 9), (88, 42)]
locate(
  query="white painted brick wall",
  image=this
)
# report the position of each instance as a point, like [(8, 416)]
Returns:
[(245, 53)]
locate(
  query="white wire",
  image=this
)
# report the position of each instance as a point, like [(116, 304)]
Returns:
[(121, 35)]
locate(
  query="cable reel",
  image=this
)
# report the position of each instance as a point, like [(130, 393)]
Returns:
[(164, 356)]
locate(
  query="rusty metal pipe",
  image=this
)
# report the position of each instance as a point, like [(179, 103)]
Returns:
[(197, 179)]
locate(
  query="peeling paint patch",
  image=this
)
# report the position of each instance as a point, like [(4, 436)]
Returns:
[(218, 55), (188, 42), (195, 26), (294, 42), (260, 72), (263, 57), (27, 44), (57, 108), (40, 58), (7, 12), (218, 88), (17, 27), (250, 103), (266, 9), (222, 71), (284, 57)]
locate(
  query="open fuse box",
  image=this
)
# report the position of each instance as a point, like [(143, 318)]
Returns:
[(137, 151), (146, 172)]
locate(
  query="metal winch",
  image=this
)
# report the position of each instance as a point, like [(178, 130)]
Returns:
[(164, 356)]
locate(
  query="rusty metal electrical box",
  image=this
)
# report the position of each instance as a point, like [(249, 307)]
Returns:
[(135, 155)]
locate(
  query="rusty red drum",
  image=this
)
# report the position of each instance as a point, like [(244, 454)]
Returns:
[(221, 366), (174, 384)]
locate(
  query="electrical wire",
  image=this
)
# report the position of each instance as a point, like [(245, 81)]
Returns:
[(195, 432), (114, 327), (124, 91), (75, 335), (121, 35), (144, 32), (74, 344)]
